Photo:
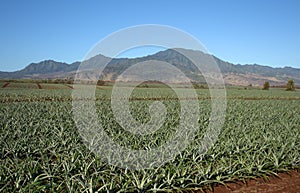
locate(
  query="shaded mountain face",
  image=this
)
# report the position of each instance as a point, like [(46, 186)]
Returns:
[(44, 69), (232, 74)]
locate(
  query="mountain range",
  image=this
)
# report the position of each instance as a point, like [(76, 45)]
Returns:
[(233, 74)]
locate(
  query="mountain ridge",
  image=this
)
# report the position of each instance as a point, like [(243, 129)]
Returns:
[(234, 74)]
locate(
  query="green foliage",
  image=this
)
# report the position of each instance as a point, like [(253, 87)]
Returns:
[(290, 86), (266, 86), (42, 151)]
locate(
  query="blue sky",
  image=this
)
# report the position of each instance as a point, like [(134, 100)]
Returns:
[(266, 32)]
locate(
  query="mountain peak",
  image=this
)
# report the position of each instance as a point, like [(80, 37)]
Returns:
[(254, 74)]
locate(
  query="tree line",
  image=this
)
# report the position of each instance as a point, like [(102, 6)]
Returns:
[(290, 86)]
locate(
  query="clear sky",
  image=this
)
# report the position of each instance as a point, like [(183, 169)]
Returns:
[(266, 32)]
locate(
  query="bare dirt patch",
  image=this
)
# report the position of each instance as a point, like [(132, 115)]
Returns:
[(5, 85), (39, 86), (288, 182)]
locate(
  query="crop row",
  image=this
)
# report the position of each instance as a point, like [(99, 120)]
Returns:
[(42, 151)]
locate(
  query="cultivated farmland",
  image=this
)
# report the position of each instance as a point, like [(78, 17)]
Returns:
[(42, 151)]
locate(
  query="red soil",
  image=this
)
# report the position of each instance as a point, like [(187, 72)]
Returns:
[(39, 86), (288, 182), (5, 85)]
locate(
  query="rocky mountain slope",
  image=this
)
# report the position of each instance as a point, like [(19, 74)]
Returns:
[(233, 74)]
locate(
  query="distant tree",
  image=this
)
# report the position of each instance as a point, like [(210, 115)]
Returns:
[(69, 81), (195, 85), (56, 81), (266, 86), (100, 83), (290, 86)]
